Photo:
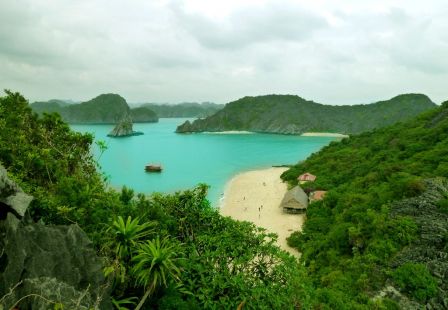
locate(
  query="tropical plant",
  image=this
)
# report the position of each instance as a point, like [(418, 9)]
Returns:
[(126, 235), (124, 303), (156, 263), (123, 241)]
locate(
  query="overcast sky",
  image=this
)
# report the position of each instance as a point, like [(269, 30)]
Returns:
[(333, 52)]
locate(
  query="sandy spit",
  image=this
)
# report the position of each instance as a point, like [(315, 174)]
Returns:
[(324, 134), (255, 196), (230, 132)]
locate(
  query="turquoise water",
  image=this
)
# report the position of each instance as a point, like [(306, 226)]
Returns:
[(193, 158)]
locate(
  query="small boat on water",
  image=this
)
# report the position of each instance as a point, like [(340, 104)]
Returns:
[(153, 168)]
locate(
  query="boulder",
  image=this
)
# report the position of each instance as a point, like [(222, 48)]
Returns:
[(12, 197)]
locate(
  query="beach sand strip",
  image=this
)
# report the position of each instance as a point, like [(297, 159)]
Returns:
[(255, 196)]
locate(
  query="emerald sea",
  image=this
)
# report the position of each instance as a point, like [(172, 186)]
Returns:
[(190, 159)]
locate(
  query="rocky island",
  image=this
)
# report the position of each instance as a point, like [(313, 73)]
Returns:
[(103, 109), (288, 114), (124, 129)]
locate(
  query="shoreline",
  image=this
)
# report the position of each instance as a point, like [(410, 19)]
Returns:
[(255, 196), (229, 132), (324, 134)]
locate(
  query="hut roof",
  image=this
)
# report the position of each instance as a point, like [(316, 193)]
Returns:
[(295, 198), (318, 195), (306, 177)]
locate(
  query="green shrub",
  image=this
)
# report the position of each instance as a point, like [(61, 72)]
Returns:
[(294, 240), (416, 280), (443, 206)]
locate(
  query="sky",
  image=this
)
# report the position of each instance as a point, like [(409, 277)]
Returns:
[(332, 52)]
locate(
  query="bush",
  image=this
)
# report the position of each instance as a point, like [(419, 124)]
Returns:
[(416, 280), (294, 240), (443, 206)]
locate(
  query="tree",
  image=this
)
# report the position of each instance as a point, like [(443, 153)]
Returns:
[(126, 235), (155, 264)]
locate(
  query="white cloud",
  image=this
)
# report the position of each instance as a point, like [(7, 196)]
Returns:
[(339, 52)]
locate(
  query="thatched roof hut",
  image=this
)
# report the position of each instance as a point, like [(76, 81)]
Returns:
[(295, 200)]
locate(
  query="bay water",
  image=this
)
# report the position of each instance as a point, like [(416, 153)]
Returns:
[(190, 159)]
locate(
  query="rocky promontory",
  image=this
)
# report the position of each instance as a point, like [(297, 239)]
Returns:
[(124, 128)]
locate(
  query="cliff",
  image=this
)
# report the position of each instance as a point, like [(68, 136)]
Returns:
[(287, 114)]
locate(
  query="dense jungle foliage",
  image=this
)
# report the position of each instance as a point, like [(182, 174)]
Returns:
[(164, 251), (384, 221)]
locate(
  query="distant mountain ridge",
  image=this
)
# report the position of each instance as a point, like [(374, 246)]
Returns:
[(185, 109), (103, 109), (290, 114)]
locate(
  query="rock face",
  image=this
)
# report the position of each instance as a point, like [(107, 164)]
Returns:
[(55, 263), (286, 114), (12, 198), (431, 246), (124, 129)]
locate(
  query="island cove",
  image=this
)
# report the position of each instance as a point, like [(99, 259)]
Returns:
[(192, 159)]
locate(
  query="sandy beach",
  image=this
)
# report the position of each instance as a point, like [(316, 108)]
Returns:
[(230, 132), (324, 134), (255, 196)]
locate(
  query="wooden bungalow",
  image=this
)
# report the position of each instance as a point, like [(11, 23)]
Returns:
[(306, 177), (295, 201), (317, 195)]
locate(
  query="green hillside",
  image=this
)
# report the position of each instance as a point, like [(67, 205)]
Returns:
[(143, 115), (186, 109), (287, 114), (384, 221), (104, 109)]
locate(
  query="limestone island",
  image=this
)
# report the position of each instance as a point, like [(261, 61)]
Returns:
[(124, 129)]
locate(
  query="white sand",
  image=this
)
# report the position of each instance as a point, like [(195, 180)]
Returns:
[(324, 134), (230, 132), (255, 196)]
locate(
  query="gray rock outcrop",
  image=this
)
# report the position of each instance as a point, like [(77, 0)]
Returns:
[(124, 129), (42, 265), (12, 198)]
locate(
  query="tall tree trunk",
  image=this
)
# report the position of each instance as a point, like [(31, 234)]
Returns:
[(147, 293)]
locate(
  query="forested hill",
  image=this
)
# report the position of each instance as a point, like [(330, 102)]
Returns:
[(186, 109), (383, 227), (104, 109), (288, 114)]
